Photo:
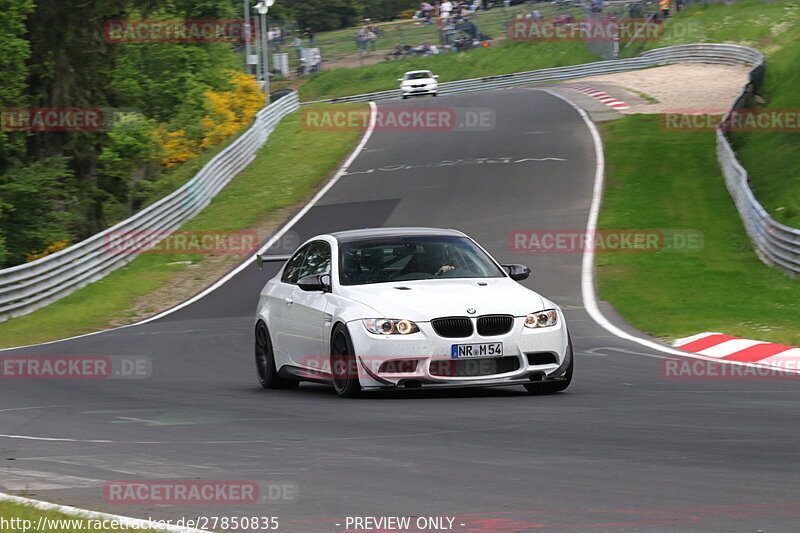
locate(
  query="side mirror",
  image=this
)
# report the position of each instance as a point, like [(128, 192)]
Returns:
[(399, 79), (315, 282), (436, 76), (517, 272)]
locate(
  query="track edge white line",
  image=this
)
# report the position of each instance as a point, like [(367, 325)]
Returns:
[(95, 515), (587, 265)]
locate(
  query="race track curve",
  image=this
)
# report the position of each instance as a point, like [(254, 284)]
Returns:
[(623, 448)]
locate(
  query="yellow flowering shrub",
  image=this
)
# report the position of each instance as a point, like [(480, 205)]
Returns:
[(176, 147), (51, 248), (230, 110)]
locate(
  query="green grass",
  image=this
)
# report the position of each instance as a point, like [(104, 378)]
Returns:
[(286, 170), (504, 59), (771, 157), (749, 23), (676, 184), (64, 523)]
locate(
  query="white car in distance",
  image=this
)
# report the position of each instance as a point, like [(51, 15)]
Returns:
[(388, 308), (418, 82)]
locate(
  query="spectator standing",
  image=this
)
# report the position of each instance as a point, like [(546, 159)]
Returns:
[(298, 46), (361, 41), (426, 9), (446, 8), (372, 40), (310, 36), (664, 5)]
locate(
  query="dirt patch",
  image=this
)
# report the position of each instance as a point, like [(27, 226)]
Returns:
[(678, 87)]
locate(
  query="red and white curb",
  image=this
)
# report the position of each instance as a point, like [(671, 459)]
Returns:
[(605, 98), (728, 348)]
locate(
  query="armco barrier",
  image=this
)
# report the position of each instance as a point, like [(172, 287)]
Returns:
[(729, 54), (775, 243), (30, 286)]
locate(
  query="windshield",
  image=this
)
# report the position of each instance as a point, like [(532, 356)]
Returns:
[(412, 258), (418, 75)]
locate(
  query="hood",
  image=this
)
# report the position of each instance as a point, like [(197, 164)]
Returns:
[(421, 81), (423, 300)]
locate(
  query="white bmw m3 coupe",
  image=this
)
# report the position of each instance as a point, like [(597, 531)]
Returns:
[(394, 308)]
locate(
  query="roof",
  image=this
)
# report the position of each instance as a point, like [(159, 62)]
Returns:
[(373, 233)]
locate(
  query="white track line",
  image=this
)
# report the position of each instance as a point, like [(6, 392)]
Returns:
[(286, 227), (587, 265), (136, 523)]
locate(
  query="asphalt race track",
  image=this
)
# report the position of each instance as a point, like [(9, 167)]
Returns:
[(622, 448)]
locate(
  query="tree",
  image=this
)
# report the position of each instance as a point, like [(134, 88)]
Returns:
[(31, 207), (14, 51), (323, 15)]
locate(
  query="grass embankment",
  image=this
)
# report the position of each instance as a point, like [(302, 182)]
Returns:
[(771, 157), (20, 517), (287, 169), (506, 58), (676, 184), (339, 46)]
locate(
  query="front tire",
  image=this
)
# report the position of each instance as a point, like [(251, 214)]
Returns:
[(343, 363), (265, 362), (552, 387)]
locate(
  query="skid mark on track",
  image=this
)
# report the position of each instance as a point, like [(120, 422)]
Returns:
[(458, 162)]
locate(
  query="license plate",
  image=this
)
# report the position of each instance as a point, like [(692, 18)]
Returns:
[(489, 349)]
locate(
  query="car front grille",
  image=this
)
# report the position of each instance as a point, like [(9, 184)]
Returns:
[(492, 325), (473, 367), (452, 327)]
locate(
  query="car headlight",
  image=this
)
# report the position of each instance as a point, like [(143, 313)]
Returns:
[(542, 319), (389, 326)]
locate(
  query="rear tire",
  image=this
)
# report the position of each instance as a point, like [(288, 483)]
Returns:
[(343, 363), (551, 387), (265, 362)]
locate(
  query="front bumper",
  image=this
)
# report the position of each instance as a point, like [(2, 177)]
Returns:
[(431, 355), (412, 91)]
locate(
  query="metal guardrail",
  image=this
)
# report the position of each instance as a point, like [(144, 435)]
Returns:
[(729, 54), (775, 243), (30, 286)]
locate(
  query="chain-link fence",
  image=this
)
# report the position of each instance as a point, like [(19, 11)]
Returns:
[(374, 42)]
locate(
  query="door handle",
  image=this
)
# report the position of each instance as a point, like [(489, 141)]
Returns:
[(288, 301)]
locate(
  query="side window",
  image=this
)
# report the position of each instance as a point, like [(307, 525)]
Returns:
[(318, 260), (292, 270)]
